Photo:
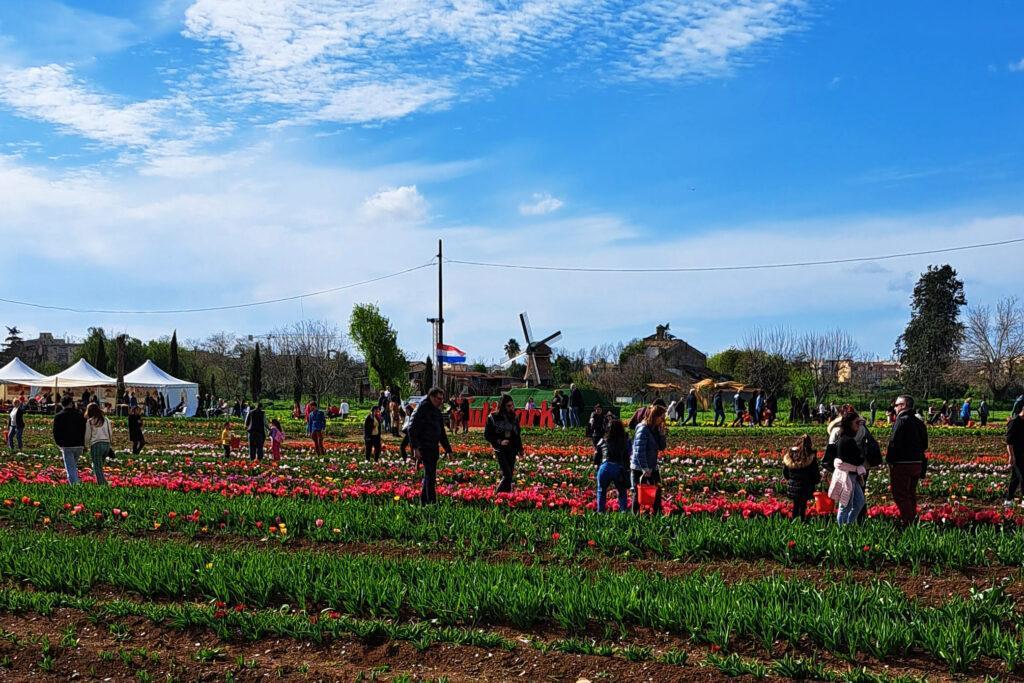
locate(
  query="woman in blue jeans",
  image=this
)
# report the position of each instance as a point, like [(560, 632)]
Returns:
[(615, 450)]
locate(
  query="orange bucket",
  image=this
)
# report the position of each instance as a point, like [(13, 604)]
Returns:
[(823, 504), (646, 494)]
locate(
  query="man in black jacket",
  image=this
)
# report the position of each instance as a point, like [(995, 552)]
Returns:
[(69, 435), (1015, 453), (906, 457), (575, 405), (371, 434), (427, 436), (256, 428)]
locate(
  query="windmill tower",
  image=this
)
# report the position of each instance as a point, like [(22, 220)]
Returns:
[(538, 356)]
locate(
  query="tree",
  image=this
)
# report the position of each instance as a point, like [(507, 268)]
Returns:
[(372, 334), (428, 375), (99, 361), (821, 354), (13, 338), (120, 367), (256, 374), (297, 381), (994, 344), (512, 348), (930, 345), (724, 362), (631, 349), (174, 369), (213, 386)]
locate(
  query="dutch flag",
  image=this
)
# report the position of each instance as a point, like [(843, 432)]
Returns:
[(450, 354)]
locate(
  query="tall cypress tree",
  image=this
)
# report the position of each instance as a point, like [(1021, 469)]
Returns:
[(174, 369), (297, 381), (931, 342), (120, 368), (100, 362), (256, 374), (213, 387)]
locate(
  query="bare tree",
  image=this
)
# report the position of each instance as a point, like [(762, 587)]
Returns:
[(774, 341), (994, 344), (823, 354), (323, 350)]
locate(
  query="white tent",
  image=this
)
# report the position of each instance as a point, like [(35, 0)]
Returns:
[(16, 372), (149, 376), (81, 374)]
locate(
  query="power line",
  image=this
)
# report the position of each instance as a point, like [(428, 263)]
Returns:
[(205, 309), (761, 266)]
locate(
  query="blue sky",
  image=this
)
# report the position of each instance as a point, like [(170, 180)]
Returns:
[(207, 152)]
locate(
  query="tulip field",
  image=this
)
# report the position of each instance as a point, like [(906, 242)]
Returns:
[(194, 566)]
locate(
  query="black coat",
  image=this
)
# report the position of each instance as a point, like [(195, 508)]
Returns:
[(135, 427), (616, 452), (256, 423), (500, 427), (576, 399), (69, 428), (426, 430), (368, 428), (909, 440), (801, 482)]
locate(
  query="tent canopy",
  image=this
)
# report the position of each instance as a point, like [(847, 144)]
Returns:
[(16, 372), (81, 374), (150, 375)]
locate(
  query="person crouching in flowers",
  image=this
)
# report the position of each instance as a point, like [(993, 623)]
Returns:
[(846, 488), (276, 439), (225, 439), (615, 450), (802, 473)]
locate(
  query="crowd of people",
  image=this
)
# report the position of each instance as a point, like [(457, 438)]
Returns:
[(622, 462)]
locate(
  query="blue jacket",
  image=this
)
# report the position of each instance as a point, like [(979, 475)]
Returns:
[(646, 445), (965, 411), (317, 421)]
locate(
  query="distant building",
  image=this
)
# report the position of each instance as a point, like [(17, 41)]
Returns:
[(678, 357), (869, 373), (47, 349)]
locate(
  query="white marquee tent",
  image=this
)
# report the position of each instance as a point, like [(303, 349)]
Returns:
[(17, 373), (79, 375), (149, 376)]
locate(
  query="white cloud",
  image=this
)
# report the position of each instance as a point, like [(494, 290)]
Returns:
[(1017, 66), (154, 128), (541, 203), (402, 204), (375, 60)]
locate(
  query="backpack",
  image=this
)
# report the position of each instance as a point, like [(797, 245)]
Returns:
[(872, 451)]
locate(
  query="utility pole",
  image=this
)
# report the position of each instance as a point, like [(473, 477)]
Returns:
[(439, 366)]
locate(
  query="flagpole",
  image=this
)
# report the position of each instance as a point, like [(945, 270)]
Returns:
[(440, 314)]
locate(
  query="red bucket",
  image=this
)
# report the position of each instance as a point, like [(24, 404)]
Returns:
[(646, 494), (823, 504), (236, 443)]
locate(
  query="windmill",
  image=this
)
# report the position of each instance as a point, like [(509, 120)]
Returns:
[(538, 355)]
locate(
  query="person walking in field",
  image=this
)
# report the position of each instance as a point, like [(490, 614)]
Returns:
[(596, 427), (276, 439), (371, 434), (225, 438), (965, 412), (575, 405), (615, 450), (648, 441), (740, 407), (1015, 457), (427, 437), (719, 405), (983, 412), (873, 407), (317, 426), (135, 434), (17, 425), (691, 408), (906, 458), (69, 435), (802, 474), (99, 439), (502, 431), (256, 429)]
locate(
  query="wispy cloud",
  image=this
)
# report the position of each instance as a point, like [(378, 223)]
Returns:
[(374, 60), (541, 203), (151, 129), (1016, 66)]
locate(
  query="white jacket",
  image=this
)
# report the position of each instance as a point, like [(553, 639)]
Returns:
[(840, 489), (94, 434)]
